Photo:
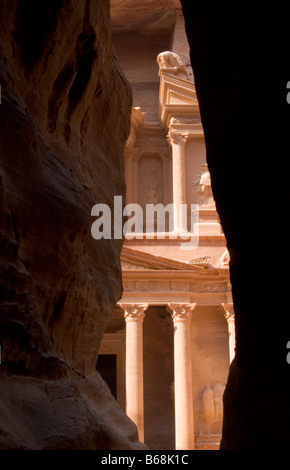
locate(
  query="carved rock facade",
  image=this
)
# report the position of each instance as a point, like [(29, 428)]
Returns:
[(169, 335)]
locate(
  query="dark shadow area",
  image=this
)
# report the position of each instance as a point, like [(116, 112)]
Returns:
[(35, 23), (107, 367), (239, 55)]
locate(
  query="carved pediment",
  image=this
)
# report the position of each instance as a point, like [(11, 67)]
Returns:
[(132, 259), (176, 90), (177, 96), (135, 267)]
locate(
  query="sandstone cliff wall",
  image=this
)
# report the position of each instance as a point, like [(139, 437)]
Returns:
[(64, 120)]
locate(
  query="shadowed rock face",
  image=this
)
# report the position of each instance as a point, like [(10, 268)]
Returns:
[(144, 16), (141, 30), (64, 120), (239, 55)]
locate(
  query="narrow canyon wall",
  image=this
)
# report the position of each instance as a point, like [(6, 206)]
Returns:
[(240, 59), (64, 120)]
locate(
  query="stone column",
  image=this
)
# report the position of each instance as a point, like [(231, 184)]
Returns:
[(183, 395), (135, 174), (166, 173), (134, 315), (228, 311), (129, 176), (177, 141)]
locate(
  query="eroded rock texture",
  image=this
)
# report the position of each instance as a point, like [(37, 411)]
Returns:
[(239, 54), (144, 16), (64, 120)]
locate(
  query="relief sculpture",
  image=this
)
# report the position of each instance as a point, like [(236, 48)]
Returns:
[(212, 406), (150, 172), (204, 186)]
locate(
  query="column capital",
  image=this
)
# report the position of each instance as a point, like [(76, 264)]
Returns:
[(228, 310), (180, 312), (178, 138), (133, 311)]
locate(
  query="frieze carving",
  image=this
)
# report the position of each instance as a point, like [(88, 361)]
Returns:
[(213, 287), (183, 116), (157, 286), (162, 285), (135, 286), (184, 120)]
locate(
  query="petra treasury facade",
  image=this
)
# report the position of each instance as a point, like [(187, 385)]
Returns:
[(167, 347)]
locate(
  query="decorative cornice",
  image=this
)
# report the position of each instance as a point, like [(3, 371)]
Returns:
[(192, 276), (180, 119), (201, 260), (174, 237), (188, 99)]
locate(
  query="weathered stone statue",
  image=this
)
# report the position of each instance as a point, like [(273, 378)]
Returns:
[(204, 182), (212, 405), (225, 258), (208, 406), (151, 184), (171, 62), (218, 391)]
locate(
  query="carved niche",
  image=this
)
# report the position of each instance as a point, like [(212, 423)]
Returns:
[(150, 176)]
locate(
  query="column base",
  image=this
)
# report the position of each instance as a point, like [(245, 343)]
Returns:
[(208, 441)]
